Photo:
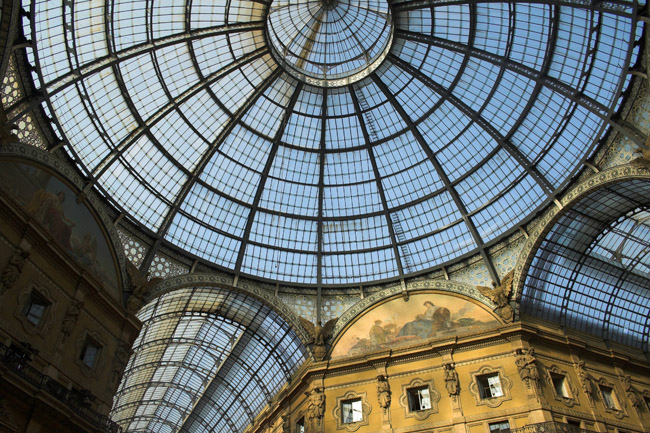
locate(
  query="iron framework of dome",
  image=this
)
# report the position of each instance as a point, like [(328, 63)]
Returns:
[(436, 128)]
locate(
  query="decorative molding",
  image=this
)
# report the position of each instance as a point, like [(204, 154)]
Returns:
[(100, 359), (569, 401), (506, 386), (619, 410), (546, 222), (434, 397), (366, 409), (90, 198), (45, 324)]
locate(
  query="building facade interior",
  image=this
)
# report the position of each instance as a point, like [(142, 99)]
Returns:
[(322, 216)]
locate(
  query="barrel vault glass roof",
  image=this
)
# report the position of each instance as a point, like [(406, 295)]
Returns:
[(207, 359), (592, 270), (184, 116)]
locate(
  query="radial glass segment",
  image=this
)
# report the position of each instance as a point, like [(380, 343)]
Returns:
[(330, 42), (331, 142)]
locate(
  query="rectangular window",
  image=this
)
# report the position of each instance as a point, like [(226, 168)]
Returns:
[(489, 385), (352, 411), (574, 425), (35, 308), (500, 427), (419, 398), (300, 426), (559, 383), (90, 352), (608, 397)]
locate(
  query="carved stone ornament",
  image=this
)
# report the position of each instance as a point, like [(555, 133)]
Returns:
[(500, 295), (70, 319), (451, 380), (644, 155), (316, 407), (7, 423), (434, 398), (630, 392), (571, 392), (585, 381), (504, 382), (526, 366), (120, 359), (339, 416), (383, 392), (319, 336), (100, 357), (45, 323), (140, 287), (12, 271), (285, 423)]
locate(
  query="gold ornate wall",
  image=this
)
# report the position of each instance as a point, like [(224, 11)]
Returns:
[(476, 379)]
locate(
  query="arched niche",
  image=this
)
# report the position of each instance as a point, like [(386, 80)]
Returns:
[(393, 322), (48, 192), (571, 271)]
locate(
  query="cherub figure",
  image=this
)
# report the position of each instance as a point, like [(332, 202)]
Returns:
[(500, 295)]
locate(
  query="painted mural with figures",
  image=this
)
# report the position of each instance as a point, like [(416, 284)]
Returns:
[(53, 205), (425, 316)]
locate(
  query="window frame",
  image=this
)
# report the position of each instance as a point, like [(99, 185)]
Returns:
[(405, 399), (499, 423), (481, 384)]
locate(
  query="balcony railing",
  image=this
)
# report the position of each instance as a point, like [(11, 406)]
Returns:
[(17, 361), (550, 427)]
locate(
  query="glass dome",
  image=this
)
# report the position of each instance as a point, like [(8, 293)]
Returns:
[(335, 141)]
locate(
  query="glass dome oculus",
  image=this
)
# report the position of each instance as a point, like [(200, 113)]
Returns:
[(330, 43)]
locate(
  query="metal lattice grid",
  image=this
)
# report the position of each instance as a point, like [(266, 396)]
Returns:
[(206, 359), (185, 120), (591, 271)]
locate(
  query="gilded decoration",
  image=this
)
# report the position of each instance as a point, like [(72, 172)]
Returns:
[(434, 398), (500, 295), (339, 416), (424, 317)]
